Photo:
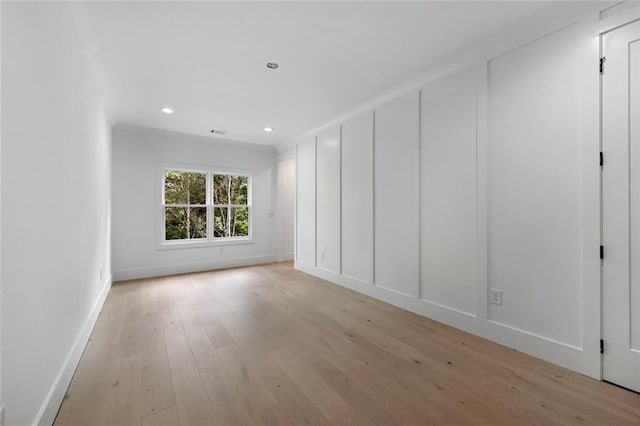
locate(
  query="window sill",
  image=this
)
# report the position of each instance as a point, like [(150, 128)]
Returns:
[(203, 244)]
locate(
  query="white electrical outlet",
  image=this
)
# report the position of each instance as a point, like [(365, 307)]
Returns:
[(495, 296), (323, 255), (221, 250)]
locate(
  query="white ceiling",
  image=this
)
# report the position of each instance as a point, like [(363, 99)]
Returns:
[(207, 60)]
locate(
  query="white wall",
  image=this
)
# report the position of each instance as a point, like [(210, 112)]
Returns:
[(481, 181), (357, 197), (534, 186), (328, 196), (395, 164), (286, 195), (55, 205), (138, 157), (448, 192), (306, 203)]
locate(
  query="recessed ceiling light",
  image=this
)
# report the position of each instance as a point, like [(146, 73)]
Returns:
[(268, 129), (272, 65), (167, 110)]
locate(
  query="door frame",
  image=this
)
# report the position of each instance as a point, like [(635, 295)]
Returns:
[(605, 25)]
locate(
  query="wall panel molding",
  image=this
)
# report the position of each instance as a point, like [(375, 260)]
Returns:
[(460, 297), (396, 203), (559, 353), (357, 197)]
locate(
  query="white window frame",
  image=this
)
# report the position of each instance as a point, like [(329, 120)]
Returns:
[(210, 240)]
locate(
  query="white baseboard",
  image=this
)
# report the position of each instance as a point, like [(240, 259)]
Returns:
[(162, 270), (558, 353), (51, 404), (288, 256), (285, 257)]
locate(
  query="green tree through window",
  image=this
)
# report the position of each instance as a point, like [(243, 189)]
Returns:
[(185, 205), (231, 210), (205, 205)]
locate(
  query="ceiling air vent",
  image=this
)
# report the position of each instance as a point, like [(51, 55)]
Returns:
[(218, 132)]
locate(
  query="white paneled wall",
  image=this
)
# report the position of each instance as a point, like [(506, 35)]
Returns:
[(396, 195), (286, 208), (448, 192), (357, 197), (328, 197), (306, 202), (477, 182), (534, 186)]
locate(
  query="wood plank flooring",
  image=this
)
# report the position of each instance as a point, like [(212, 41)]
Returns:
[(271, 345)]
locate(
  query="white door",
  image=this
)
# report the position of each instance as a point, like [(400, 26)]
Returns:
[(621, 206)]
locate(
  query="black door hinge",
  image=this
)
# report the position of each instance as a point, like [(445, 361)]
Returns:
[(602, 60), (601, 346), (601, 252), (601, 159)]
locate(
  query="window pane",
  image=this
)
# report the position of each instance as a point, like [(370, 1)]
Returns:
[(185, 188), (175, 226), (239, 189), (197, 188), (229, 189), (230, 222), (182, 223), (198, 222), (239, 222), (220, 222), (221, 189)]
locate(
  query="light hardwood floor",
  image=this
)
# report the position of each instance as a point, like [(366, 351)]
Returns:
[(271, 345)]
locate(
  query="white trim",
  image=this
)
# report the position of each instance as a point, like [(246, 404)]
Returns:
[(302, 264), (393, 290), (482, 136), (295, 213), (418, 290), (340, 251), (450, 308), (322, 268), (163, 244), (315, 202), (591, 267), (288, 256), (373, 199), (176, 135), (203, 168), (203, 242), (621, 18), (417, 192), (163, 270), (360, 280), (51, 404), (285, 151), (559, 353)]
